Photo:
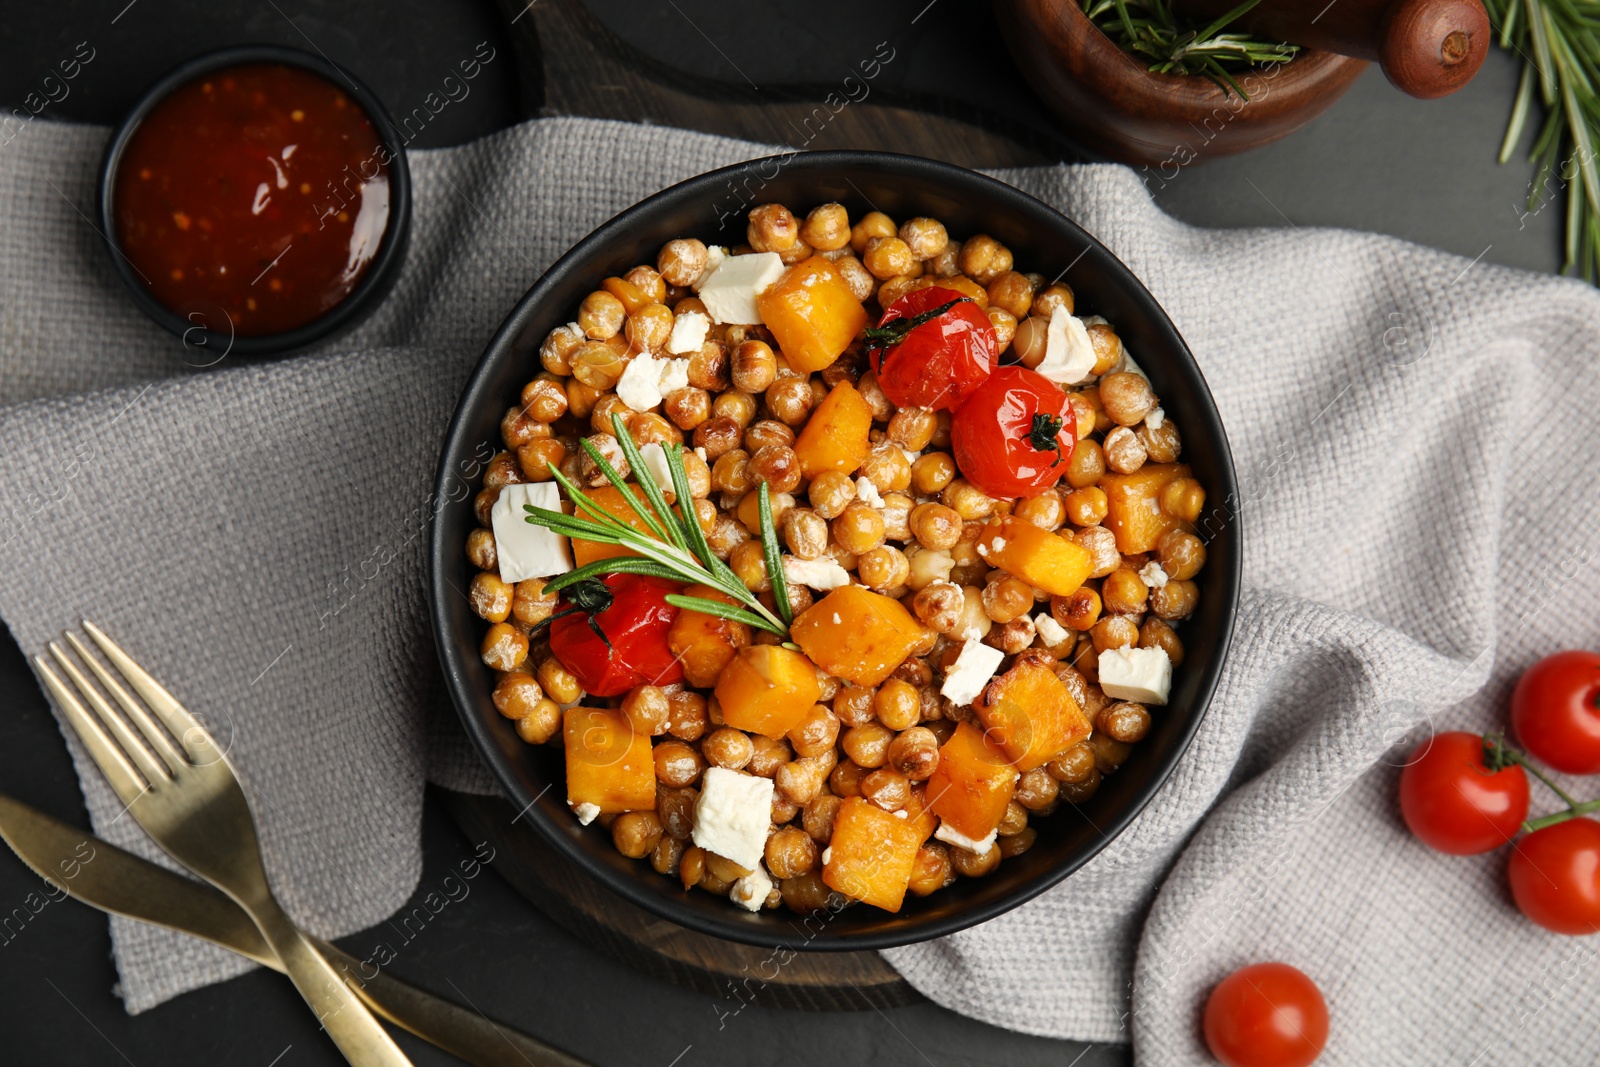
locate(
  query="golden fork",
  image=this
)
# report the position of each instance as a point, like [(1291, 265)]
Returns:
[(190, 802)]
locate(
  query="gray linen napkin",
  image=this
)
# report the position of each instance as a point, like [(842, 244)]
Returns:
[(1416, 445)]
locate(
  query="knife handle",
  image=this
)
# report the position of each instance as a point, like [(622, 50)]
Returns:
[(467, 1034)]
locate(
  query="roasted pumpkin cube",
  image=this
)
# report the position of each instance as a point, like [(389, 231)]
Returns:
[(972, 784), (1030, 714), (871, 854), (611, 500), (918, 814), (767, 689), (812, 314), (1043, 559), (609, 763), (705, 643), (856, 634), (835, 437), (1133, 506)]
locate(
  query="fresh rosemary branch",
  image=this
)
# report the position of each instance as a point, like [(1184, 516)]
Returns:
[(1148, 29), (1559, 42), (681, 553)]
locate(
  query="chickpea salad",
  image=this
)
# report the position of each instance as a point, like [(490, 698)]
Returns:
[(834, 559)]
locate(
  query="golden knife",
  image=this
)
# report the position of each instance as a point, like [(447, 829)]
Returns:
[(105, 877)]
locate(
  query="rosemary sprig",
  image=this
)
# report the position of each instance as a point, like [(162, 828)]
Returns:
[(679, 550), (1559, 41), (1149, 29)]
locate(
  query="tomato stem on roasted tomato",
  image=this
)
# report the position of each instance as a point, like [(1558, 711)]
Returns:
[(1013, 432), (612, 633), (932, 348)]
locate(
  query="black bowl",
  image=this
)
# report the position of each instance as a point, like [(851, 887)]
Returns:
[(200, 334), (713, 206)]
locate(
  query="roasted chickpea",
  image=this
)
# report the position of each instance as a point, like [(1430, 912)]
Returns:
[(1124, 721), (517, 694), (1036, 790), (481, 550), (914, 753), (1175, 600), (1114, 631), (1087, 465), (1102, 546), (581, 398), (867, 745), (675, 809), (1123, 592), (1008, 598), (769, 755), (790, 400), (817, 817), (708, 368), (815, 733), (601, 315), (753, 366), (1011, 292), (845, 781), (649, 284), (608, 406), (897, 704), (935, 526), (1180, 554), (748, 562), (859, 528), (647, 710), (940, 606), (530, 604), (541, 723), (681, 262), (827, 228), (1156, 633), (589, 469), (1087, 506), (677, 764), (777, 466), (648, 428), (1079, 610), (687, 407), (1057, 296), (649, 327), (856, 276), (888, 257), (853, 705), (728, 748), (912, 428), (1183, 498), (1080, 791), (887, 788), (790, 852), (773, 228), (1005, 327), (1126, 397), (740, 407), (871, 225), (829, 493), (502, 471), (932, 472), (687, 720), (983, 259), (1161, 442), (718, 436), (517, 427), (1073, 765), (1124, 451), (504, 647), (559, 683), (636, 833), (490, 597), (883, 568), (1029, 341), (558, 346), (872, 393), (666, 856), (692, 866), (931, 870), (1045, 511), (967, 500), (975, 864), (1109, 753)]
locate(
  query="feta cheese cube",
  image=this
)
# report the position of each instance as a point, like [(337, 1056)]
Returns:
[(527, 550), (585, 812), (688, 333), (1139, 674), (1052, 632), (730, 293), (750, 892), (640, 384), (674, 376), (973, 668), (715, 254), (951, 836), (732, 815), (1153, 574), (1068, 352), (655, 461), (1156, 419), (820, 574), (868, 493)]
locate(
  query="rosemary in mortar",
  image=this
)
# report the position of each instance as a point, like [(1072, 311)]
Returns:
[(1148, 29)]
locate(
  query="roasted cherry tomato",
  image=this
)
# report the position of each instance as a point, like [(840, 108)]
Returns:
[(932, 348), (1555, 876), (1014, 434), (1555, 711), (1454, 803), (1266, 1015), (612, 633)]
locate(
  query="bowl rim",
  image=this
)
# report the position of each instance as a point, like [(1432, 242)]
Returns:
[(475, 394), (380, 273)]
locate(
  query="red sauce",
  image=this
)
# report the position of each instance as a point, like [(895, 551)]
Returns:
[(261, 189)]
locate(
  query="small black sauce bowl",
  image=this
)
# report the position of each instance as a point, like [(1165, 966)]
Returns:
[(198, 335), (713, 207)]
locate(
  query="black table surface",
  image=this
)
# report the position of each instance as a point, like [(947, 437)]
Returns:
[(1377, 161)]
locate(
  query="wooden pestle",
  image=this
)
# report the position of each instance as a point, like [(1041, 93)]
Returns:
[(1428, 48)]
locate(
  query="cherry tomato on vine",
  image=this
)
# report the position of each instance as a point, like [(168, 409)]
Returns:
[(1555, 711), (1015, 433), (1454, 803), (1266, 1015), (1555, 876), (611, 633), (932, 348)]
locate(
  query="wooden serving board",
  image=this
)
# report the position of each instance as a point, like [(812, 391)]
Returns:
[(811, 981)]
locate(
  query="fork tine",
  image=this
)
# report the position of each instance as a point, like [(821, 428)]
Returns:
[(153, 734), (185, 727), (154, 771), (113, 763)]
